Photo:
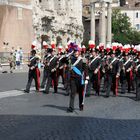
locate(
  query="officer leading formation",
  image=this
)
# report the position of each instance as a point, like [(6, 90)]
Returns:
[(87, 71)]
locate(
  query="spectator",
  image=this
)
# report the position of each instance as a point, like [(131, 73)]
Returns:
[(21, 57), (17, 59), (11, 62)]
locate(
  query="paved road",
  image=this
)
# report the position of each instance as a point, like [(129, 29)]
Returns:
[(36, 116), (12, 81)]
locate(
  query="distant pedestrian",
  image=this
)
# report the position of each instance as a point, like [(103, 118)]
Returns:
[(17, 59), (13, 50), (21, 57), (11, 62)]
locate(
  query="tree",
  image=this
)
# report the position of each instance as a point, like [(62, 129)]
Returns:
[(122, 30)]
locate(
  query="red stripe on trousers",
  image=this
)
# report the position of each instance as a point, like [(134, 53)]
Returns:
[(99, 75), (116, 90), (38, 78)]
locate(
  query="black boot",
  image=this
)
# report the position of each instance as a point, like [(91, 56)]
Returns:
[(81, 107), (70, 110), (26, 91)]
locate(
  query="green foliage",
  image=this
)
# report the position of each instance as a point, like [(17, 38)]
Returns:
[(122, 30)]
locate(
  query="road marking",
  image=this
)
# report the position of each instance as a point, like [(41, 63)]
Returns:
[(11, 93)]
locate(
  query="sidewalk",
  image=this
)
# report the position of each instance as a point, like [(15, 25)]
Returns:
[(6, 68)]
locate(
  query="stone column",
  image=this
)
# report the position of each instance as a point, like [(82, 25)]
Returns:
[(92, 22), (102, 24), (109, 24)]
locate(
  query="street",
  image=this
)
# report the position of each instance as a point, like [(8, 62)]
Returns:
[(36, 116), (94, 45), (12, 81)]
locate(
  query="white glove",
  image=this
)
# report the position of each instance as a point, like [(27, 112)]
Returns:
[(87, 77), (86, 82)]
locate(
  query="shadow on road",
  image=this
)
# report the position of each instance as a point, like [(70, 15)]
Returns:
[(61, 108), (57, 107), (127, 96)]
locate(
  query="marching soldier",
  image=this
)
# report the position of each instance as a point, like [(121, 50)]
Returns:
[(94, 72), (126, 73), (137, 70), (112, 72), (34, 72), (123, 80), (104, 59), (60, 69), (67, 68), (52, 73), (77, 75), (47, 57)]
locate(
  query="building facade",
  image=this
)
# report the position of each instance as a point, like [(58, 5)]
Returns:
[(134, 14), (15, 25), (129, 3), (58, 21), (97, 20), (130, 9)]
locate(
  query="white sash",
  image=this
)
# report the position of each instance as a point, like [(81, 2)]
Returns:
[(138, 66), (127, 61), (48, 56), (61, 58), (69, 54), (51, 60), (93, 60), (77, 61), (113, 61), (32, 58)]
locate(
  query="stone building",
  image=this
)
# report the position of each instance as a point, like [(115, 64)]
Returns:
[(134, 15), (130, 3), (58, 21), (102, 24), (129, 8), (15, 25)]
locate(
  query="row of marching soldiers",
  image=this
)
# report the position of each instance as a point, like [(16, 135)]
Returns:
[(83, 69)]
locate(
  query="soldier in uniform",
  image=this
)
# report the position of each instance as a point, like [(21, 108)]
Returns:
[(112, 72), (103, 65), (67, 67), (137, 70), (126, 73), (78, 72), (34, 72), (52, 73), (46, 59), (60, 69), (94, 72)]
